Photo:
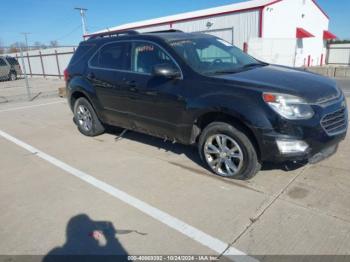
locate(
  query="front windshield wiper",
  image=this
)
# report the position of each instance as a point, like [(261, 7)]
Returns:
[(254, 64), (224, 72), (237, 70)]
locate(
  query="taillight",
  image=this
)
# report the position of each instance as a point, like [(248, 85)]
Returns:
[(66, 75)]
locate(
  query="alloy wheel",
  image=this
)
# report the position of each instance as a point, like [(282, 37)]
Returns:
[(223, 155), (84, 117)]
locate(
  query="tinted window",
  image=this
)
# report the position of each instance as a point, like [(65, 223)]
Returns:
[(82, 52), (147, 55), (113, 56), (12, 61), (2, 62)]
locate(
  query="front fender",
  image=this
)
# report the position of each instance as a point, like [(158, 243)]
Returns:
[(247, 108)]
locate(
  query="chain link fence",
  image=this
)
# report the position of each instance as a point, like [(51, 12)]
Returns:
[(28, 73)]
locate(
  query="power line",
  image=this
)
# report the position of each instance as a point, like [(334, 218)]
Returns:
[(69, 33)]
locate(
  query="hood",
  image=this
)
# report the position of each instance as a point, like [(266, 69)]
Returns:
[(312, 87)]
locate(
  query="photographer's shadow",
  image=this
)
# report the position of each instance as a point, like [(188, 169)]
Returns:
[(89, 240)]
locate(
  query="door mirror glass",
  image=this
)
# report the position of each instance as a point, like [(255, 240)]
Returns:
[(166, 70)]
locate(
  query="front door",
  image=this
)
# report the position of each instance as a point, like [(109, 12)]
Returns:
[(155, 104)]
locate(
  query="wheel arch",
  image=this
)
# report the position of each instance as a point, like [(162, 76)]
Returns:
[(75, 96), (206, 118)]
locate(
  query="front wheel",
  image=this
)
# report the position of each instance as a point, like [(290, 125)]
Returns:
[(86, 118), (228, 152)]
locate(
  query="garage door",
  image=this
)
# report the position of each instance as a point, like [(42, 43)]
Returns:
[(225, 33)]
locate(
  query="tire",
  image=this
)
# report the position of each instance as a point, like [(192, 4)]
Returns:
[(86, 119), (236, 158), (12, 76)]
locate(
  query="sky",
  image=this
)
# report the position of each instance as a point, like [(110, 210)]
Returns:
[(48, 20)]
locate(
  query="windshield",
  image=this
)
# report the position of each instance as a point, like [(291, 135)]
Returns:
[(211, 55)]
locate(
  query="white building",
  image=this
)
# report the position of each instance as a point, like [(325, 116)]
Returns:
[(288, 32)]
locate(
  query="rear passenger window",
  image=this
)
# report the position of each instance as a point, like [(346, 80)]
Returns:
[(113, 56)]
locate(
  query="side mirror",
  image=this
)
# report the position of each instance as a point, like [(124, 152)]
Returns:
[(166, 70)]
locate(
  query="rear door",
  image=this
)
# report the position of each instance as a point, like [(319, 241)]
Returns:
[(106, 71)]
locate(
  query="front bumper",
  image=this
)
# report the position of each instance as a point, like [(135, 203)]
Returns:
[(319, 149), (321, 144)]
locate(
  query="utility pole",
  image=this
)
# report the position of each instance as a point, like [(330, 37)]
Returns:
[(25, 73), (26, 38), (83, 18)]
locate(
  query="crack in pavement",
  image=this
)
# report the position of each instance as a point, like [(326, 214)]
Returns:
[(316, 210), (255, 218)]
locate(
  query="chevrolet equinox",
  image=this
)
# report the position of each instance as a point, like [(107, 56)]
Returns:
[(197, 89)]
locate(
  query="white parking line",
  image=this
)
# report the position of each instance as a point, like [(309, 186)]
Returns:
[(31, 106), (211, 242)]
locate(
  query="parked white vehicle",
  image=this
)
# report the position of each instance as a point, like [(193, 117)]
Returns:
[(9, 68)]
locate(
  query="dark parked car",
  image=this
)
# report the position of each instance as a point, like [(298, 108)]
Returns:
[(197, 89)]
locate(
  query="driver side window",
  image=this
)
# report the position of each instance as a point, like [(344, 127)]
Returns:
[(146, 56)]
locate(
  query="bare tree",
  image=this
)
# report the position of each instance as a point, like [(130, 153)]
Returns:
[(15, 47), (39, 45), (339, 41), (53, 43)]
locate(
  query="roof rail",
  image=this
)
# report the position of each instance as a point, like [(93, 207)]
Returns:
[(113, 33), (165, 31)]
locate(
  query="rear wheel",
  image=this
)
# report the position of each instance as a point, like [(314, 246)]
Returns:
[(86, 118), (228, 152)]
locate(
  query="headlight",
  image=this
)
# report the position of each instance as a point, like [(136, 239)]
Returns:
[(288, 106)]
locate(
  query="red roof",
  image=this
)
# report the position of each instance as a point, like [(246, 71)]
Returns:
[(328, 35), (302, 33)]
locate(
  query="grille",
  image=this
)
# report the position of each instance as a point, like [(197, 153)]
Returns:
[(335, 123), (329, 99)]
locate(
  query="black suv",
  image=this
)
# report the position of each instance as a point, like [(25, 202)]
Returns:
[(197, 89)]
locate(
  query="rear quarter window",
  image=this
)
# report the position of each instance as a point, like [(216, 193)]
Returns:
[(83, 52), (115, 55)]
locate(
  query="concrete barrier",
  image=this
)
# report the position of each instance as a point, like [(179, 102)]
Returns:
[(341, 71)]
